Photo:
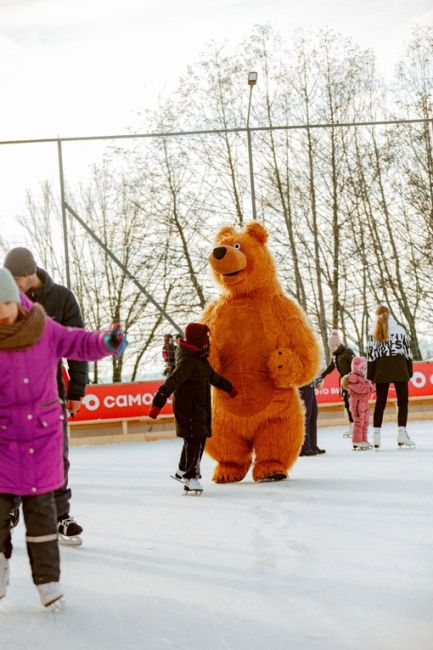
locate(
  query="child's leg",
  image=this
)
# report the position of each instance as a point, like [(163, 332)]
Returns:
[(365, 423), (357, 420), (193, 448), (40, 518), (6, 505)]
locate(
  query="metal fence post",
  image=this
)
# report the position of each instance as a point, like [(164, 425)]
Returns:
[(64, 217)]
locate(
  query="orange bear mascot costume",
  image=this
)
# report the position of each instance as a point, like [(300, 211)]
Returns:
[(262, 341)]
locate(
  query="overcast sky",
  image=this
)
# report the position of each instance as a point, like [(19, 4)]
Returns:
[(76, 67)]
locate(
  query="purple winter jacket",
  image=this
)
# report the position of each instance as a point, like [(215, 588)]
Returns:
[(31, 414)]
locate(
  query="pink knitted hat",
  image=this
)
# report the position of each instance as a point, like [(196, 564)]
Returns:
[(357, 362), (334, 340)]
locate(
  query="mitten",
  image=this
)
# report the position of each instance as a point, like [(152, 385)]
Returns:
[(154, 412), (115, 341)]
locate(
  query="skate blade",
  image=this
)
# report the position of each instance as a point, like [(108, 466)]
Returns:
[(196, 493), (179, 480), (55, 606), (76, 540), (402, 445)]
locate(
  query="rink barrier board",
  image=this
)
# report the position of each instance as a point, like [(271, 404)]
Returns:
[(115, 430)]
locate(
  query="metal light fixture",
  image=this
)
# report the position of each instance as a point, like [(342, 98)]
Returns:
[(252, 78)]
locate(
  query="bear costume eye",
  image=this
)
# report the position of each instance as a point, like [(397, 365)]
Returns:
[(238, 246)]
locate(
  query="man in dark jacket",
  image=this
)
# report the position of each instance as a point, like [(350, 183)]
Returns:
[(342, 361), (61, 305), (190, 382)]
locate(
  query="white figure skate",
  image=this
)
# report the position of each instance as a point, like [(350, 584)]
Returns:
[(192, 486), (50, 593), (403, 439), (362, 446)]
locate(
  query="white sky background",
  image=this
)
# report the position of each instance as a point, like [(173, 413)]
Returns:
[(81, 67)]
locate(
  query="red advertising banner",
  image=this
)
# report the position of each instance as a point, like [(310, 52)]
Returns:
[(420, 385), (119, 401)]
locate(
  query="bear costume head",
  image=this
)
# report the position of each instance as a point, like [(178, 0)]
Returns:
[(241, 262)]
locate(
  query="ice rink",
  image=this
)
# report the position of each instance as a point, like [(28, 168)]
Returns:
[(340, 556)]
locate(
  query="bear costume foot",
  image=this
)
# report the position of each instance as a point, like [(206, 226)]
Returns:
[(269, 471), (229, 472)]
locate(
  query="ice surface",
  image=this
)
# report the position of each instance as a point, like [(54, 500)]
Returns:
[(338, 557)]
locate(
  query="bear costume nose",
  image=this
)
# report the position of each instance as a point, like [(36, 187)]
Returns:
[(219, 252)]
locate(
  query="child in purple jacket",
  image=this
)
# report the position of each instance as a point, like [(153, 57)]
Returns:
[(31, 432)]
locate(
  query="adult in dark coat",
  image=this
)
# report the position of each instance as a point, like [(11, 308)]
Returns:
[(342, 361), (308, 396), (61, 305), (190, 382)]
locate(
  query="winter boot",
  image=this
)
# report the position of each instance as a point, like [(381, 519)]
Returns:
[(4, 574), (49, 593), (376, 437), (349, 432), (403, 439)]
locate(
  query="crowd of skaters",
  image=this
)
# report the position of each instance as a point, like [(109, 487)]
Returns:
[(41, 323), (388, 361)]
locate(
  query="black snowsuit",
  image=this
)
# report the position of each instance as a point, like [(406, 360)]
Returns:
[(342, 360), (190, 382)]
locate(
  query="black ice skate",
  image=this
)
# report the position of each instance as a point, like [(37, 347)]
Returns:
[(69, 531), (192, 486), (14, 517)]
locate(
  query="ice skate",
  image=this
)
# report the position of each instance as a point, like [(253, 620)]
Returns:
[(362, 446), (403, 439), (14, 517), (349, 432), (4, 574), (50, 593), (192, 486), (178, 476), (69, 531), (376, 438)]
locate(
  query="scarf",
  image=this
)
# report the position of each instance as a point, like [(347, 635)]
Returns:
[(26, 330)]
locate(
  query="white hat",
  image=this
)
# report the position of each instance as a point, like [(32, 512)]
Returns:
[(8, 289)]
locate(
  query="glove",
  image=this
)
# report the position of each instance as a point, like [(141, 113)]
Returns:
[(115, 341), (154, 412), (233, 392)]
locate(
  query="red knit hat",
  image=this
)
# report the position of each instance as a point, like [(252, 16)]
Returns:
[(197, 334)]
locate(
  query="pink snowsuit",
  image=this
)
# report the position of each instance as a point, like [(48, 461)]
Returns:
[(359, 389)]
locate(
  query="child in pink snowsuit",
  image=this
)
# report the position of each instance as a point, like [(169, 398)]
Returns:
[(359, 389)]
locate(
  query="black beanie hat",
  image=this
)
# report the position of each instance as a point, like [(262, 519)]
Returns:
[(20, 262)]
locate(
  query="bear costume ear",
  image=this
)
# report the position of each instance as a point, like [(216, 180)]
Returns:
[(225, 231), (256, 230)]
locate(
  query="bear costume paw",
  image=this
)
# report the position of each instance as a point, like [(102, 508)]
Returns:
[(230, 472), (285, 368), (269, 471)]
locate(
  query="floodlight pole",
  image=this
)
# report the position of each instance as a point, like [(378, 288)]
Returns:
[(252, 80), (63, 208)]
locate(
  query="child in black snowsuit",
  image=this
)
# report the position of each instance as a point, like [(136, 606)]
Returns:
[(190, 382)]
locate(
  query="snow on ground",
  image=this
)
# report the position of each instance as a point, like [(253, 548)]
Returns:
[(338, 557)]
